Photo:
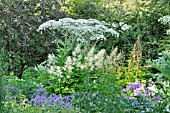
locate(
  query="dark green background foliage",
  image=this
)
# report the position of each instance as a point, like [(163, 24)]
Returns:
[(19, 20), (90, 9), (144, 23)]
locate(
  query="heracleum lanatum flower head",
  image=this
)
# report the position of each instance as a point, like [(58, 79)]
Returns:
[(164, 20), (82, 29)]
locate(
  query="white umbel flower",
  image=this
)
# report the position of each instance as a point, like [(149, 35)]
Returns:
[(51, 24), (125, 27), (81, 29), (122, 25), (164, 20), (113, 32)]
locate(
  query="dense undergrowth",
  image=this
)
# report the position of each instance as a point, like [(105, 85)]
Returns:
[(85, 56)]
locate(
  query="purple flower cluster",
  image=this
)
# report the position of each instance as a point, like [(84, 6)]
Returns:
[(137, 87), (53, 100), (141, 90), (41, 92), (13, 89)]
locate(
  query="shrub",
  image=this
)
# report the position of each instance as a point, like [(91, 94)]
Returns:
[(87, 9), (22, 43), (27, 86), (165, 42), (144, 23)]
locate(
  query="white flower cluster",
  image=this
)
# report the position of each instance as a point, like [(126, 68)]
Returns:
[(164, 20), (84, 58), (82, 29), (68, 64), (122, 25), (52, 67), (51, 24), (99, 59), (112, 59), (91, 60)]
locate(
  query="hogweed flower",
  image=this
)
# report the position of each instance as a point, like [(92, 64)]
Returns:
[(98, 37), (81, 29), (113, 32), (122, 25), (164, 20), (51, 24)]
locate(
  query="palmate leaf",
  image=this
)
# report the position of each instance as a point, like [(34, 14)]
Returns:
[(162, 64)]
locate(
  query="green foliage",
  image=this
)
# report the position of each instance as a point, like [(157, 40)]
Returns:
[(20, 104), (71, 70), (134, 69), (144, 23), (150, 30), (4, 62), (94, 71), (27, 86), (22, 43), (162, 64), (165, 44), (92, 101), (1, 93), (160, 72), (90, 9)]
